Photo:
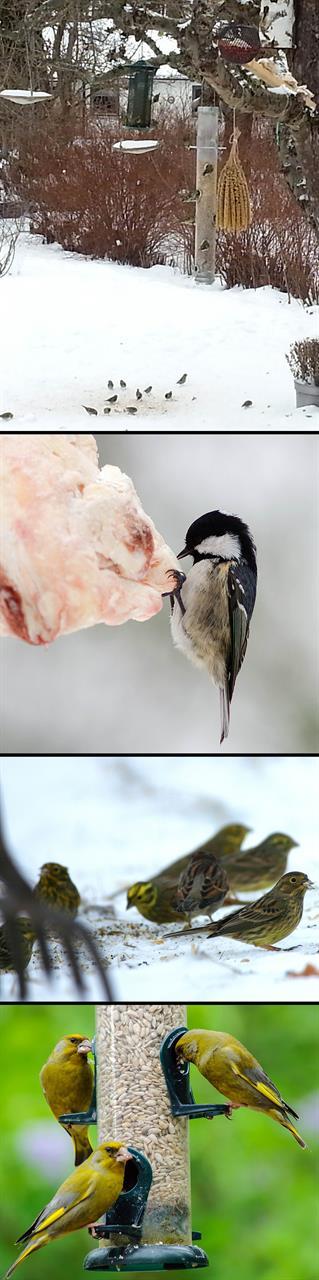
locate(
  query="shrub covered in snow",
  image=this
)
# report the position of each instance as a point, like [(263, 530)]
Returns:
[(303, 360)]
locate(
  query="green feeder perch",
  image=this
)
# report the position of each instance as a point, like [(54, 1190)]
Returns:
[(140, 92)]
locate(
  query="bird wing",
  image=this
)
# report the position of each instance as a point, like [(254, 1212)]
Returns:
[(241, 593), (256, 1078), (58, 1207), (204, 875), (266, 908)]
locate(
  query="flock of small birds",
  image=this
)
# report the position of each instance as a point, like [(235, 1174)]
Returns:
[(115, 397), (214, 874), (199, 883), (97, 1180)]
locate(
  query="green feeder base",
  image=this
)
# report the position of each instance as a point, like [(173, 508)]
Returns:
[(147, 1257)]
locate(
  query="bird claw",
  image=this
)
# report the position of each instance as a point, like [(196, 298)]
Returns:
[(174, 592), (231, 1106)]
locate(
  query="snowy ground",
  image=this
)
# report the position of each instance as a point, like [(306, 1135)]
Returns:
[(113, 821), (71, 324)]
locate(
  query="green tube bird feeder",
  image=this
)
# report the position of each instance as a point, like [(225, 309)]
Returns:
[(149, 1228), (140, 92), (142, 1094)]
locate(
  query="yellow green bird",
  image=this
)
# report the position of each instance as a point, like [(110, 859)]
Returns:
[(233, 1070), (27, 940), (56, 887), (223, 843), (161, 898), (154, 901), (269, 919), (258, 867), (88, 1192), (67, 1083), (200, 889)]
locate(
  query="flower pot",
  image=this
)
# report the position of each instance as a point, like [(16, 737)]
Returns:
[(306, 393)]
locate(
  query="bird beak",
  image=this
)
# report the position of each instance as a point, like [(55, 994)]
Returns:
[(311, 885), (182, 554), (85, 1046), (123, 1155), (129, 905)]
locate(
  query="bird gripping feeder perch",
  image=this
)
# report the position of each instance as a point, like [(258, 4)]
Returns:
[(152, 1218), (177, 1079)]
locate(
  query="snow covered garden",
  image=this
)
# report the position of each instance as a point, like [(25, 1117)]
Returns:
[(70, 325)]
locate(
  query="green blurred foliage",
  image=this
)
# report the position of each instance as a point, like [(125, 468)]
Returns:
[(255, 1197), (28, 1033), (254, 1191)]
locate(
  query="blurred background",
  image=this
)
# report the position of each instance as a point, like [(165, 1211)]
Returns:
[(254, 1190), (126, 688)]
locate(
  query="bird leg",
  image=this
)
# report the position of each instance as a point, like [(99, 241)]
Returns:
[(232, 1106), (175, 593)]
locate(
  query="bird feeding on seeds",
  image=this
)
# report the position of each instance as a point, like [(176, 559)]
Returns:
[(67, 1083), (211, 610), (233, 1070), (89, 1191)]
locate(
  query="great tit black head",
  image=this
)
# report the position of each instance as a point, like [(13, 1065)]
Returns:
[(216, 534)]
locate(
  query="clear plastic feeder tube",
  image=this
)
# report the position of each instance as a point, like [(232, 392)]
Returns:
[(133, 1105)]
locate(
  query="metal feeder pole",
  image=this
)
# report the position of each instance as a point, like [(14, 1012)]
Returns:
[(133, 1105), (206, 194)]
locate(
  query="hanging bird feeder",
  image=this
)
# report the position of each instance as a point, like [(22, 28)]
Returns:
[(135, 146), (24, 97), (238, 43), (140, 92), (152, 1217)]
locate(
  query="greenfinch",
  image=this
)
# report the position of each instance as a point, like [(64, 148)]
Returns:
[(234, 1071), (67, 1083), (269, 919), (56, 887), (259, 867), (88, 1192), (27, 938)]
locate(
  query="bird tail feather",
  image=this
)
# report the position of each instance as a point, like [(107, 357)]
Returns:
[(30, 1248), (282, 1118), (81, 1143), (224, 712)]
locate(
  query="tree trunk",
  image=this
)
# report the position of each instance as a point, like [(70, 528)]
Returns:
[(299, 148)]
